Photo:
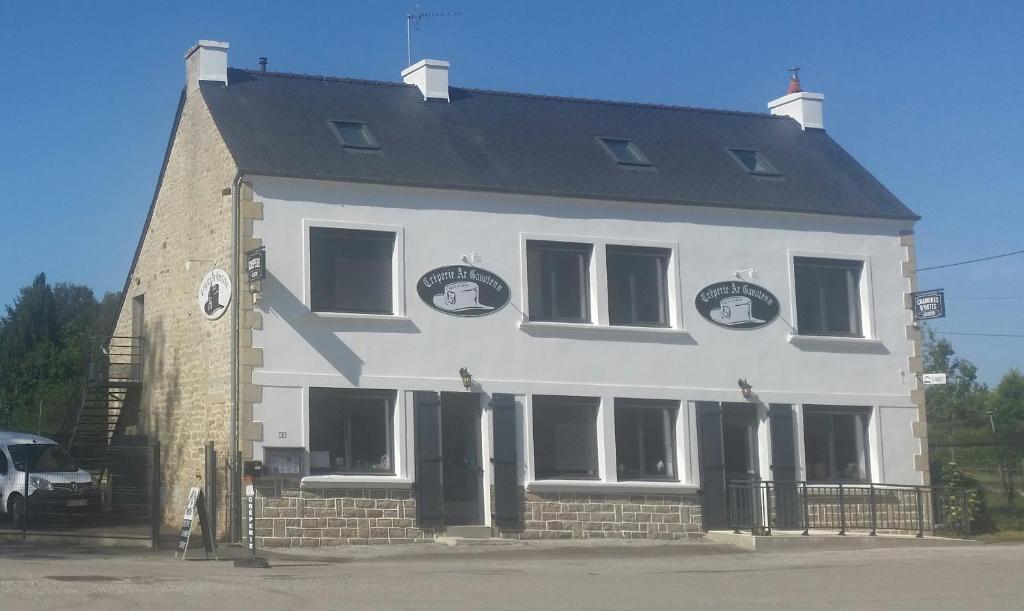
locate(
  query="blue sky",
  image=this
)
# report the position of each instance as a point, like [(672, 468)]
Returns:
[(925, 94)]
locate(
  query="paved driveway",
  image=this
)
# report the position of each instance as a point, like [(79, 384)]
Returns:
[(694, 576)]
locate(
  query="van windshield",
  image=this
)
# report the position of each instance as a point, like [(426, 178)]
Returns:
[(42, 458)]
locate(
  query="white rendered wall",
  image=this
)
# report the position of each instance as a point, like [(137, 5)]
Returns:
[(422, 349)]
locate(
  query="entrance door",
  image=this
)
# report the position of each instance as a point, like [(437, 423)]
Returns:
[(460, 454), (727, 436), (739, 432)]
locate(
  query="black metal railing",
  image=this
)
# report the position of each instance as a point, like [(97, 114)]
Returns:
[(110, 363), (762, 506)]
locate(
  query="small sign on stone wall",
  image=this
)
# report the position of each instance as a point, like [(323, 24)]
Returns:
[(215, 294)]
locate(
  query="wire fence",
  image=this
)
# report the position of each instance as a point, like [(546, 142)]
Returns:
[(47, 494)]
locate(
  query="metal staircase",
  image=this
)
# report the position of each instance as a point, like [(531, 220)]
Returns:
[(109, 401)]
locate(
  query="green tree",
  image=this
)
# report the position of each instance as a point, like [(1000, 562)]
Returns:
[(963, 400), (1007, 411), (44, 338)]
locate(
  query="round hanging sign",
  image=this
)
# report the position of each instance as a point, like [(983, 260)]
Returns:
[(215, 294), (737, 305), (462, 290)]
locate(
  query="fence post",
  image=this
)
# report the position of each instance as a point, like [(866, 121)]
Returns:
[(154, 495), (920, 513), (24, 513), (965, 518), (874, 513), (807, 525), (211, 487), (842, 512)]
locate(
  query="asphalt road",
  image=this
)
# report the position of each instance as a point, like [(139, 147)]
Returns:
[(635, 576)]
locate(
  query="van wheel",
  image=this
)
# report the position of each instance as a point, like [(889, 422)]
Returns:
[(16, 509)]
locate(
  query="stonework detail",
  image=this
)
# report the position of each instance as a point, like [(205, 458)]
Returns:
[(915, 362), (319, 517), (548, 515), (186, 390)]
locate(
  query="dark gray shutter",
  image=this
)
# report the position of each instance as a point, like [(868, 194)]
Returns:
[(429, 491), (505, 460), (780, 418), (712, 464)]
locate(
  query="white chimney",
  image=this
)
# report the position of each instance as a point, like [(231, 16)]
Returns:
[(806, 108), (207, 60), (431, 76)]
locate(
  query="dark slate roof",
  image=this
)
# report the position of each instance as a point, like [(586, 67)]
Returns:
[(278, 124)]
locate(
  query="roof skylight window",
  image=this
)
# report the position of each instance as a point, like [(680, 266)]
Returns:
[(355, 135), (624, 152), (754, 162)]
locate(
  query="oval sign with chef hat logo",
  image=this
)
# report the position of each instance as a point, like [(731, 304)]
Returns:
[(462, 290), (737, 305)]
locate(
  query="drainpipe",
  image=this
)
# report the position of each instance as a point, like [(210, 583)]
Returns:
[(234, 486)]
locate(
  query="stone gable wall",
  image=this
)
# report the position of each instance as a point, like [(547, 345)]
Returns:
[(186, 358)]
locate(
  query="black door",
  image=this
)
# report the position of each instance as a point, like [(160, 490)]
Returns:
[(460, 452), (712, 465), (786, 501)]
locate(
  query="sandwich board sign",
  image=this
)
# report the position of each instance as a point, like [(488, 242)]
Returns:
[(929, 304), (195, 509)]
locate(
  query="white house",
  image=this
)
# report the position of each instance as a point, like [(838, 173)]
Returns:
[(549, 317)]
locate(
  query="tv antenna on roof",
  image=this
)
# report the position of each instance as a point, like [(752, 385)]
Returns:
[(412, 20)]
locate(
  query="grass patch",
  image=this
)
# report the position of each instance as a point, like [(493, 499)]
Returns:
[(1002, 536)]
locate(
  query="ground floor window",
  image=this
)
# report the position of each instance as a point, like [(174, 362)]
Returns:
[(565, 437), (835, 444), (351, 431), (645, 444)]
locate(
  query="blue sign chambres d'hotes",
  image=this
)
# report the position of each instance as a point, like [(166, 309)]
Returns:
[(463, 290), (929, 304)]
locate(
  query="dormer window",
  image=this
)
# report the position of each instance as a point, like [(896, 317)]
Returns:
[(624, 152), (754, 162), (355, 135)]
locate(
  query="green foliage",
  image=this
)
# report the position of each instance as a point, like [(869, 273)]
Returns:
[(963, 400), (957, 486), (44, 338)]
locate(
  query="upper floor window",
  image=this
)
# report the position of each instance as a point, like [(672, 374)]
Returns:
[(828, 296), (558, 278), (350, 431), (351, 270), (637, 285)]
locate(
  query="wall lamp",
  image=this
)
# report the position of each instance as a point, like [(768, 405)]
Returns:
[(745, 387), (467, 378)]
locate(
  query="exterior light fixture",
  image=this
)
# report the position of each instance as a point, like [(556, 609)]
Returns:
[(467, 378), (745, 388)]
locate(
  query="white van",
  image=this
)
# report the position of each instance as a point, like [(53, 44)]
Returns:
[(55, 483)]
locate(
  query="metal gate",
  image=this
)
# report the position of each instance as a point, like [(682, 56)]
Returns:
[(114, 495)]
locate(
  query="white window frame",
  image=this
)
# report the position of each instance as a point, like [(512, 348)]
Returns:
[(398, 297), (687, 467), (599, 316), (401, 443), (864, 290), (873, 447)]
